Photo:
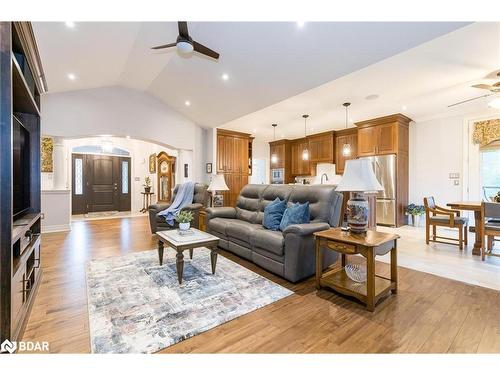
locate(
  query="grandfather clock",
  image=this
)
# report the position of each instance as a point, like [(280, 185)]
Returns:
[(166, 176)]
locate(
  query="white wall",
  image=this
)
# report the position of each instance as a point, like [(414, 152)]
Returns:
[(436, 149), (120, 112), (260, 151), (442, 146)]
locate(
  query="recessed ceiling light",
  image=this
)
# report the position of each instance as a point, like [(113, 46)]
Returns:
[(187, 103), (350, 120), (225, 77), (71, 76), (70, 24), (300, 24), (372, 97), (404, 108), (495, 103), (128, 136)]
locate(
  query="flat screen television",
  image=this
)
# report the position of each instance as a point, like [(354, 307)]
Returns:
[(20, 169)]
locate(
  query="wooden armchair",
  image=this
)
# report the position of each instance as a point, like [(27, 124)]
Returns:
[(490, 227), (437, 216)]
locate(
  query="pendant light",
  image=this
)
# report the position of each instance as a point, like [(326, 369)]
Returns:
[(346, 148), (274, 157), (305, 151)]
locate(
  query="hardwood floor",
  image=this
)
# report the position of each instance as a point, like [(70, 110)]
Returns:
[(430, 314)]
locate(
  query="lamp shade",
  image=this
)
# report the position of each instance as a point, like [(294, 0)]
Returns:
[(217, 183), (358, 176)]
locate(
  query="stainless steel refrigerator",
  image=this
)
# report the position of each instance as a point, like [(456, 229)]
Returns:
[(384, 167)]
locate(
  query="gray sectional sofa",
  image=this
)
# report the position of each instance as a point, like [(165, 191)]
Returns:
[(201, 198), (289, 254)]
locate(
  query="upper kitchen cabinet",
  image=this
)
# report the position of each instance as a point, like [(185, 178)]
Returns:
[(233, 152), (299, 166), (342, 137), (321, 147), (278, 148), (384, 135)]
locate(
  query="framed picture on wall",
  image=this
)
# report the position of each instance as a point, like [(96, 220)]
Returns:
[(208, 168), (152, 163), (186, 175)]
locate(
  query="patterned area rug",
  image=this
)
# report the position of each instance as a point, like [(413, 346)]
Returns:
[(137, 306)]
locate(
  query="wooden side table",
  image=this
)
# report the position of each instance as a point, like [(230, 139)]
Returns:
[(369, 245), (146, 201), (202, 220)]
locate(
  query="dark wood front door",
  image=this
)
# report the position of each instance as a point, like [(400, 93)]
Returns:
[(100, 183)]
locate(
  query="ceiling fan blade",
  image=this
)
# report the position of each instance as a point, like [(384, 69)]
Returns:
[(469, 100), (205, 50), (165, 46), (183, 29), (482, 86)]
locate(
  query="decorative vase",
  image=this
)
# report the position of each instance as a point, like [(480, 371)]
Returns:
[(147, 189), (184, 226), (357, 213), (415, 220)]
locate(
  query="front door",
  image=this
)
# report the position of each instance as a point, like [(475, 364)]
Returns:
[(100, 183)]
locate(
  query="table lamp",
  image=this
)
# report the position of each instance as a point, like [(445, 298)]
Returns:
[(217, 183), (358, 178)]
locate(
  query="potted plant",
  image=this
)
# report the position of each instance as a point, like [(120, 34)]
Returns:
[(147, 184), (184, 219), (415, 211)]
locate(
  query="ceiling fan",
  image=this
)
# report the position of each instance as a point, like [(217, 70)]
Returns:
[(493, 89), (186, 44)]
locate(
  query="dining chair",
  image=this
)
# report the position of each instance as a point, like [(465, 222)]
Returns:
[(490, 227), (437, 216)]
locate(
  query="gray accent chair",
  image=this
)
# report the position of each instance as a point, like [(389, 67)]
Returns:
[(200, 199), (289, 254)]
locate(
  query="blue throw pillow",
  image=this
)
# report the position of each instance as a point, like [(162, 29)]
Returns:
[(273, 214), (295, 214)]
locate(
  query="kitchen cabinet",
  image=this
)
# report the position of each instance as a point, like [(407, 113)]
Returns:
[(321, 147), (342, 137), (278, 149), (234, 153), (299, 167), (377, 139)]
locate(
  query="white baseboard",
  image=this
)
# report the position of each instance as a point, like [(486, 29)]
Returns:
[(56, 228)]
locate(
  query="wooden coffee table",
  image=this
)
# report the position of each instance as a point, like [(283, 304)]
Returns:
[(369, 245), (179, 243)]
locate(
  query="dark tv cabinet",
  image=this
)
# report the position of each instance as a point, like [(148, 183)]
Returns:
[(21, 83)]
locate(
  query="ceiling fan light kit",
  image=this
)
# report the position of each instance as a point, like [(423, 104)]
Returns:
[(185, 44), (305, 151), (346, 148), (495, 103)]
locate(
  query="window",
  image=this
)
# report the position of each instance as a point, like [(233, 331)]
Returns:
[(124, 177), (78, 176), (490, 172)]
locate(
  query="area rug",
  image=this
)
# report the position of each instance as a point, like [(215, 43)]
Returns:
[(137, 306)]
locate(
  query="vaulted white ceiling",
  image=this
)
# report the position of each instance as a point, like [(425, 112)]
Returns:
[(266, 62)]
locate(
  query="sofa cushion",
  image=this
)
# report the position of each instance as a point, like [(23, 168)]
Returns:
[(295, 214), (272, 241), (240, 231), (247, 204), (219, 224), (273, 214), (270, 193), (322, 199)]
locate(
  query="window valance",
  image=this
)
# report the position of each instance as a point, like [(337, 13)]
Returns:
[(486, 132)]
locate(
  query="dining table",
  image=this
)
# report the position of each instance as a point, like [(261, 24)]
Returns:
[(474, 206)]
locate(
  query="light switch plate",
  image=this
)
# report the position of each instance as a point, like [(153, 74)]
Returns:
[(456, 182)]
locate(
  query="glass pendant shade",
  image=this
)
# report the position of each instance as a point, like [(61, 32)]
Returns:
[(274, 157), (346, 150), (305, 154)]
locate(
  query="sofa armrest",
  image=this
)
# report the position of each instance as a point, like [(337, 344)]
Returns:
[(159, 207), (193, 207), (226, 212), (304, 230)]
